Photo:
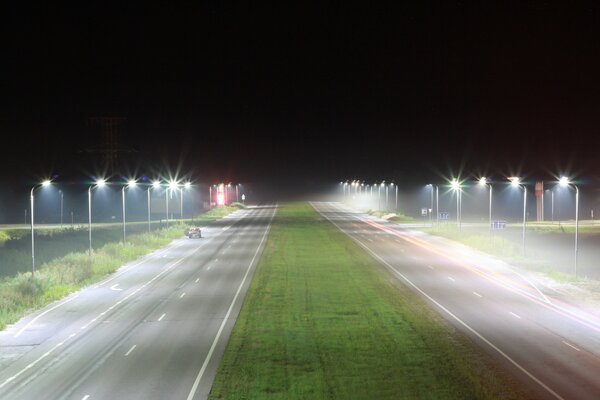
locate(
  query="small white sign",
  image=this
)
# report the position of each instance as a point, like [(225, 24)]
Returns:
[(243, 197), (424, 212)]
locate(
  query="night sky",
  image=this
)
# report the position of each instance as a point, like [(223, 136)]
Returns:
[(316, 93)]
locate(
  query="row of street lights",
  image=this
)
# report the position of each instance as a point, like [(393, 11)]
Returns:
[(223, 195), (100, 183), (456, 186), (517, 183), (360, 188)]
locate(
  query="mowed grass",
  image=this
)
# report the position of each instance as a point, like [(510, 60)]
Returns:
[(323, 320)]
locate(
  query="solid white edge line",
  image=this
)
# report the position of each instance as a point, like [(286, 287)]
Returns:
[(144, 259), (447, 311), (217, 337), (46, 354), (549, 305), (44, 313), (514, 315)]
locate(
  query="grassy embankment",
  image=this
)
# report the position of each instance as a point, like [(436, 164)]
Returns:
[(505, 249), (20, 294), (52, 243), (323, 320)]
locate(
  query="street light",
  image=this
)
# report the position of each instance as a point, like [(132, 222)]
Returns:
[(483, 181), (172, 185), (130, 184), (187, 186), (436, 205), (455, 185), (516, 182), (155, 185), (61, 207), (565, 182), (98, 184), (387, 208), (45, 183)]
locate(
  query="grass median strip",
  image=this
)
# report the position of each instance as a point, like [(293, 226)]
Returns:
[(323, 320)]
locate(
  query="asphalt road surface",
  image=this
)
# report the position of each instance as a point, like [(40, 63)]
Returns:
[(550, 346), (156, 329)]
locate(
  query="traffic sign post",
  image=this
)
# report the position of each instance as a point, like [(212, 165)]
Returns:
[(498, 225)]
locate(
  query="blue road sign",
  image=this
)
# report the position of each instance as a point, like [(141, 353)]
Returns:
[(498, 224)]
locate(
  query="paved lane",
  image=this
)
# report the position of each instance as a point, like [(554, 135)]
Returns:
[(552, 347), (156, 329)]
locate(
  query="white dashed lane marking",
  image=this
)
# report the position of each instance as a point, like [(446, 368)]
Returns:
[(571, 346), (130, 350)]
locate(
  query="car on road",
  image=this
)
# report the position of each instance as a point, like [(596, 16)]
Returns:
[(194, 232)]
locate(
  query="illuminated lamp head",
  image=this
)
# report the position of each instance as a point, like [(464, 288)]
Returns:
[(564, 181)]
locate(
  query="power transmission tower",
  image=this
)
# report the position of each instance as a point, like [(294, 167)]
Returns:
[(109, 149)]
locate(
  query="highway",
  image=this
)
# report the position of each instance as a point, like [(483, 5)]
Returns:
[(155, 329), (550, 346)]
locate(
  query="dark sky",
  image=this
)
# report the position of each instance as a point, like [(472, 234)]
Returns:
[(322, 91)]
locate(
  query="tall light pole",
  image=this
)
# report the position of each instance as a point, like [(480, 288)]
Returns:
[(173, 185), (155, 185), (396, 188), (187, 186), (483, 181), (431, 212), (130, 184), (99, 183), (387, 208), (61, 207), (437, 205), (516, 182), (167, 204), (32, 200), (552, 198), (455, 185), (565, 182)]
